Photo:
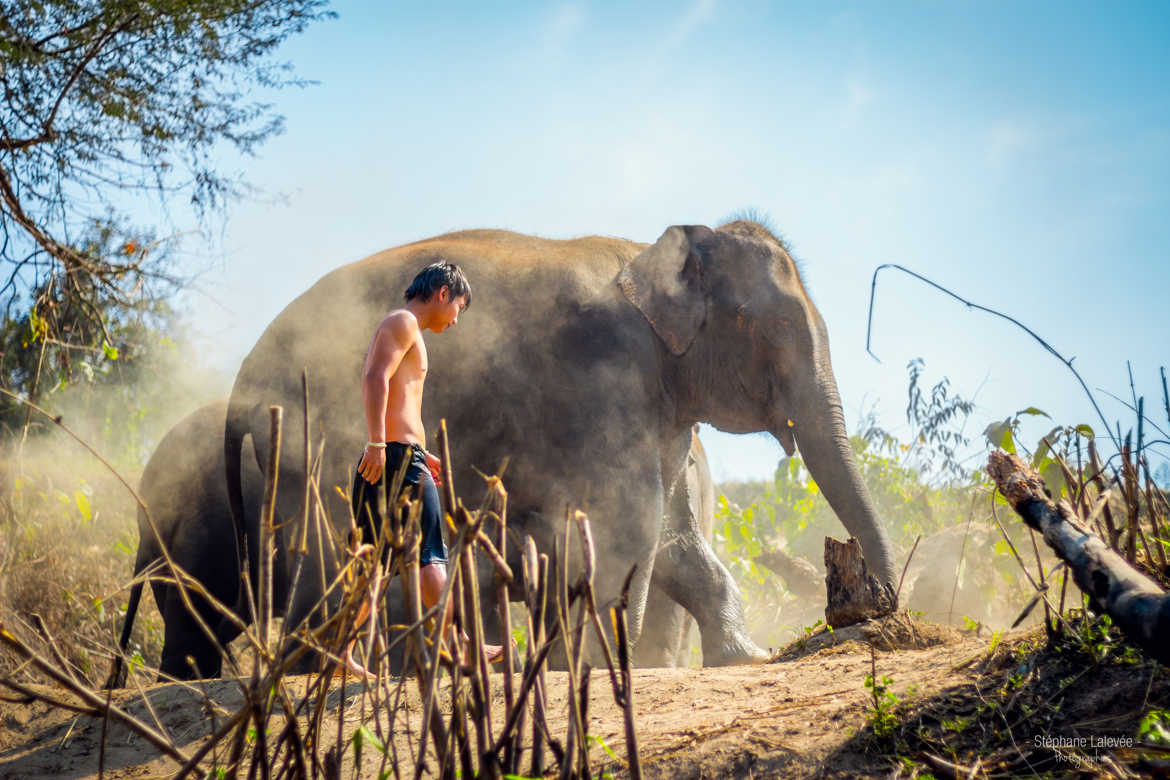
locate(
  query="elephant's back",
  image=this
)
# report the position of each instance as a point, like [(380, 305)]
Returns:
[(518, 283), (501, 265)]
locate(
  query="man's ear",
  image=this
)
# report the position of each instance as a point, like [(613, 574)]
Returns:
[(444, 294)]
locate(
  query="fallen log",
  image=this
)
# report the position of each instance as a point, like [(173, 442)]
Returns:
[(800, 576), (853, 593), (1135, 602)]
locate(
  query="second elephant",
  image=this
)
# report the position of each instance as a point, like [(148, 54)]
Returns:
[(184, 490)]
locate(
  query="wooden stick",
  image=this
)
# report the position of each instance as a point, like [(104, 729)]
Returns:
[(152, 736), (529, 683), (583, 697), (267, 525), (618, 615), (448, 478), (1099, 481), (1136, 604), (540, 702), (427, 669), (505, 626), (1152, 508), (572, 651), (474, 622), (588, 551)]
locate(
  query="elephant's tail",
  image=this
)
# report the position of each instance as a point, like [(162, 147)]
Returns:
[(117, 678), (235, 429)]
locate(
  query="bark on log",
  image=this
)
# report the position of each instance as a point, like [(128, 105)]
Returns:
[(1135, 602), (854, 594), (800, 576)]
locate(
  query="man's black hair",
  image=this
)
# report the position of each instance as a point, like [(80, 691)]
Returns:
[(432, 278)]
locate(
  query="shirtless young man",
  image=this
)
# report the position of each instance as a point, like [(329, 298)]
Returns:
[(392, 390)]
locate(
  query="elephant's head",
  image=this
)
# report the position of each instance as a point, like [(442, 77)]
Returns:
[(745, 349)]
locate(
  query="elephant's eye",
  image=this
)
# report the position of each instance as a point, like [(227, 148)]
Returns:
[(754, 320)]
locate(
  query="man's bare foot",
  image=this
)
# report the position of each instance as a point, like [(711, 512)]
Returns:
[(491, 653), (355, 669)]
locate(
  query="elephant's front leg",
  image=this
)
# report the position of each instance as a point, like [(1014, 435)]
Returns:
[(687, 569)]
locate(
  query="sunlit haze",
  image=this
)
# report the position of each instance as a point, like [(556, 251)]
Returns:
[(1017, 154)]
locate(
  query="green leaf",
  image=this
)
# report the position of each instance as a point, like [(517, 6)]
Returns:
[(1054, 478), (999, 434), (1155, 727), (110, 350), (83, 505), (1085, 430), (601, 742), (1034, 412), (1044, 446), (363, 736)]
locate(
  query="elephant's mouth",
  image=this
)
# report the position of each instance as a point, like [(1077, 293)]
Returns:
[(784, 431)]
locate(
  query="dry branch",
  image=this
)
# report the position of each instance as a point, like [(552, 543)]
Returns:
[(800, 576), (96, 703), (1136, 604), (279, 730)]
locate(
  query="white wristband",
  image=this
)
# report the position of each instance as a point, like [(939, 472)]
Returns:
[(381, 445)]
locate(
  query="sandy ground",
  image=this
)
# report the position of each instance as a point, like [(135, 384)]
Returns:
[(795, 717)]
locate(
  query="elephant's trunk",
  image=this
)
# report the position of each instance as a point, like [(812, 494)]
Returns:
[(825, 448)]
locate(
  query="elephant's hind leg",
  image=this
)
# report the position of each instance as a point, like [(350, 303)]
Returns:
[(188, 653)]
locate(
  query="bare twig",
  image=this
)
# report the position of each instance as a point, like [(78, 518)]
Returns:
[(1047, 347)]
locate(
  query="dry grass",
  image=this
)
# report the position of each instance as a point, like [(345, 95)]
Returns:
[(279, 724), (67, 545)]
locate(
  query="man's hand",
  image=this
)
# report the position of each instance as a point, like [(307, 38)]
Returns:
[(373, 464), (436, 467)]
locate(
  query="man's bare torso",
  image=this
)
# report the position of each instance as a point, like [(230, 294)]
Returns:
[(404, 403)]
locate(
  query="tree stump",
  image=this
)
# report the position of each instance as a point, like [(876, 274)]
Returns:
[(854, 594)]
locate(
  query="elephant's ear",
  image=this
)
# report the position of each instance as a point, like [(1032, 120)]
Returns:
[(665, 284)]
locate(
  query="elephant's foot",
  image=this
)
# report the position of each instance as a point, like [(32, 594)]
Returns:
[(735, 649)]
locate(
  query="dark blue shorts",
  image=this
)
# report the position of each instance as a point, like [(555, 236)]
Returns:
[(370, 501)]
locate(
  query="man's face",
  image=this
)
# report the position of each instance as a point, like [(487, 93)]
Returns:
[(448, 310)]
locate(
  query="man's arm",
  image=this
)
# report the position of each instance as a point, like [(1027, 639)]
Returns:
[(394, 337)]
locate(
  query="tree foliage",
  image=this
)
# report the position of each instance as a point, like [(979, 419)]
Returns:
[(107, 102)]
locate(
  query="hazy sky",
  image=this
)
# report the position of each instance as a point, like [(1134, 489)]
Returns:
[(1016, 153)]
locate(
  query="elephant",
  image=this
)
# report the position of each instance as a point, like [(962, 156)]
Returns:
[(185, 492), (183, 487), (586, 362)]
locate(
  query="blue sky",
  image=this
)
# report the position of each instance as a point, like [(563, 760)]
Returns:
[(1017, 153)]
